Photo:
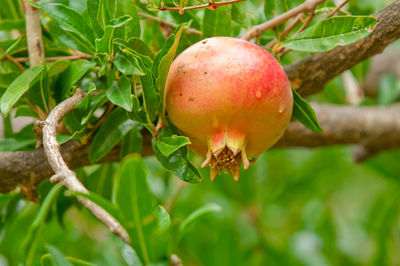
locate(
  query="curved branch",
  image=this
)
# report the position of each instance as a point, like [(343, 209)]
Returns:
[(62, 172), (309, 75)]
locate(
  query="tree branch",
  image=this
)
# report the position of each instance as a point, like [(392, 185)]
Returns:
[(310, 74), (210, 5), (167, 23), (256, 31), (343, 125), (34, 35), (62, 172), (51, 59)]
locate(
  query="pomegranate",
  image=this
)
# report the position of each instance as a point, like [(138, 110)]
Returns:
[(231, 98)]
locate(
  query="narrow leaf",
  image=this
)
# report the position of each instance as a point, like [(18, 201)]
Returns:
[(128, 65), (104, 44), (18, 87), (133, 196), (68, 19), (194, 216), (130, 256), (128, 7), (58, 257), (303, 112), (71, 76), (114, 128), (217, 22), (93, 9), (163, 61), (332, 32)]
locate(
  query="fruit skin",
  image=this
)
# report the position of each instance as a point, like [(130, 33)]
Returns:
[(223, 93)]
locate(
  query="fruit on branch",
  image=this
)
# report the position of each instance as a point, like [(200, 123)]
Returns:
[(231, 98)]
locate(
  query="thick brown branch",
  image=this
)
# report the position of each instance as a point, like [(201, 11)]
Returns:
[(345, 125), (342, 125), (62, 172), (310, 74)]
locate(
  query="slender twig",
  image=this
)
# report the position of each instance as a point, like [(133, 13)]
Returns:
[(12, 59), (287, 30), (167, 23), (344, 2), (257, 30), (62, 172), (56, 58), (210, 5), (282, 51)]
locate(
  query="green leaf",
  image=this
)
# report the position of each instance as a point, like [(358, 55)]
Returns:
[(129, 255), (272, 8), (120, 93), (133, 196), (57, 67), (163, 219), (107, 205), (163, 61), (44, 89), (107, 11), (25, 110), (12, 24), (178, 163), (71, 76), (97, 102), (18, 87), (132, 142), (68, 19), (114, 128), (39, 94), (84, 104), (93, 9), (388, 90), (69, 39), (168, 145), (33, 231), (135, 44), (128, 7), (194, 216), (128, 65), (151, 97), (217, 22), (303, 112), (332, 32), (105, 45), (46, 259), (13, 144), (58, 257)]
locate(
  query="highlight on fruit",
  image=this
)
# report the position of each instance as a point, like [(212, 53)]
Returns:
[(231, 98)]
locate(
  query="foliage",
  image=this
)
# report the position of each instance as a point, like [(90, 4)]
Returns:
[(292, 207)]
